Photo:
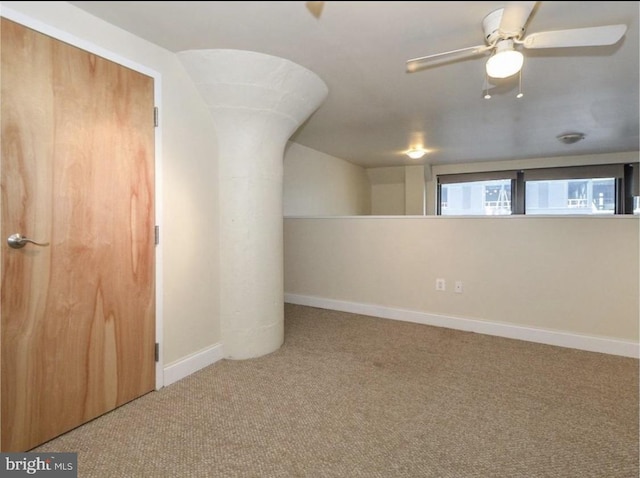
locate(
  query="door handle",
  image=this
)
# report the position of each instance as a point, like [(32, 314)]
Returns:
[(18, 241)]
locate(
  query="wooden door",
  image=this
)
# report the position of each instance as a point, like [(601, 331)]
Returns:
[(76, 172)]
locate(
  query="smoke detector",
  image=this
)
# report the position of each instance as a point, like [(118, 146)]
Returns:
[(570, 138)]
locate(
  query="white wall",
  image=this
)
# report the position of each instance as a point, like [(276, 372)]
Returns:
[(387, 190), (414, 188), (397, 190), (188, 178), (387, 199), (317, 184), (566, 275)]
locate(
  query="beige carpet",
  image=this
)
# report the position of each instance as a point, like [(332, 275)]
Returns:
[(355, 396)]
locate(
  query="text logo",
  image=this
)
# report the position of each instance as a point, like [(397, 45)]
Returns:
[(51, 465)]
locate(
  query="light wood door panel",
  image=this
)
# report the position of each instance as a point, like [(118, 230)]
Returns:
[(77, 316)]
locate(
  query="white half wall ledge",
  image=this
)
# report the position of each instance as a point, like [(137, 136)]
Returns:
[(257, 101)]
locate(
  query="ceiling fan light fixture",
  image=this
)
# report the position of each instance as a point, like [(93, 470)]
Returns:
[(416, 153), (505, 62)]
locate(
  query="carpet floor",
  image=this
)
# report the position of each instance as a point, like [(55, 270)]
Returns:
[(355, 396)]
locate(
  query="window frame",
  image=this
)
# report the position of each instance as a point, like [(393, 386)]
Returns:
[(626, 177), (470, 178)]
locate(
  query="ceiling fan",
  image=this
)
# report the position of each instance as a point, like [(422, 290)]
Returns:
[(315, 8), (504, 31)]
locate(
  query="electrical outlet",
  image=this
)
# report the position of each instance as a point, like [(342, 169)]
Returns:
[(441, 284), (458, 287)]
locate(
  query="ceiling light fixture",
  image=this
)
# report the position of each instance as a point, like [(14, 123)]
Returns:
[(416, 153), (505, 61), (570, 138)]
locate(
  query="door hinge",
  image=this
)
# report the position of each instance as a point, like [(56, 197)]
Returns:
[(156, 231), (157, 352), (156, 116)]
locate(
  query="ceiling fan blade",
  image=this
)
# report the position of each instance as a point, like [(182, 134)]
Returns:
[(592, 36), (416, 64), (514, 18), (315, 8)]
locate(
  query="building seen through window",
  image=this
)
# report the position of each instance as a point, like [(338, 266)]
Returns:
[(583, 196), (588, 190), (485, 198)]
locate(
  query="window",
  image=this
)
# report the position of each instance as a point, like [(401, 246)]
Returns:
[(594, 190), (565, 196), (476, 198), (476, 194)]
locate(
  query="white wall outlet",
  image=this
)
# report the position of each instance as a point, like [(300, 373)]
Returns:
[(441, 284), (458, 287)]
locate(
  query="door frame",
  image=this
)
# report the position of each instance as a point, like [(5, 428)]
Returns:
[(66, 37)]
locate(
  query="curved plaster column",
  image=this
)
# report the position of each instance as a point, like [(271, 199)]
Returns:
[(257, 102)]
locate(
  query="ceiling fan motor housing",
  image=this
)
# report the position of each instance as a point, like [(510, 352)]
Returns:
[(491, 27)]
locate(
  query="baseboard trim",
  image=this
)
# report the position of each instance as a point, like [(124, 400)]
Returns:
[(530, 334), (192, 363)]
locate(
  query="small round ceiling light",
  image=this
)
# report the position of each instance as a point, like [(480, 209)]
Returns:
[(416, 153), (570, 138)]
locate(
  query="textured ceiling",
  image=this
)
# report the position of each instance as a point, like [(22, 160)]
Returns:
[(376, 110)]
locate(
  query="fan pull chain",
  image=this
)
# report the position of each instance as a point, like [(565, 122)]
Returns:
[(487, 96), (520, 93)]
